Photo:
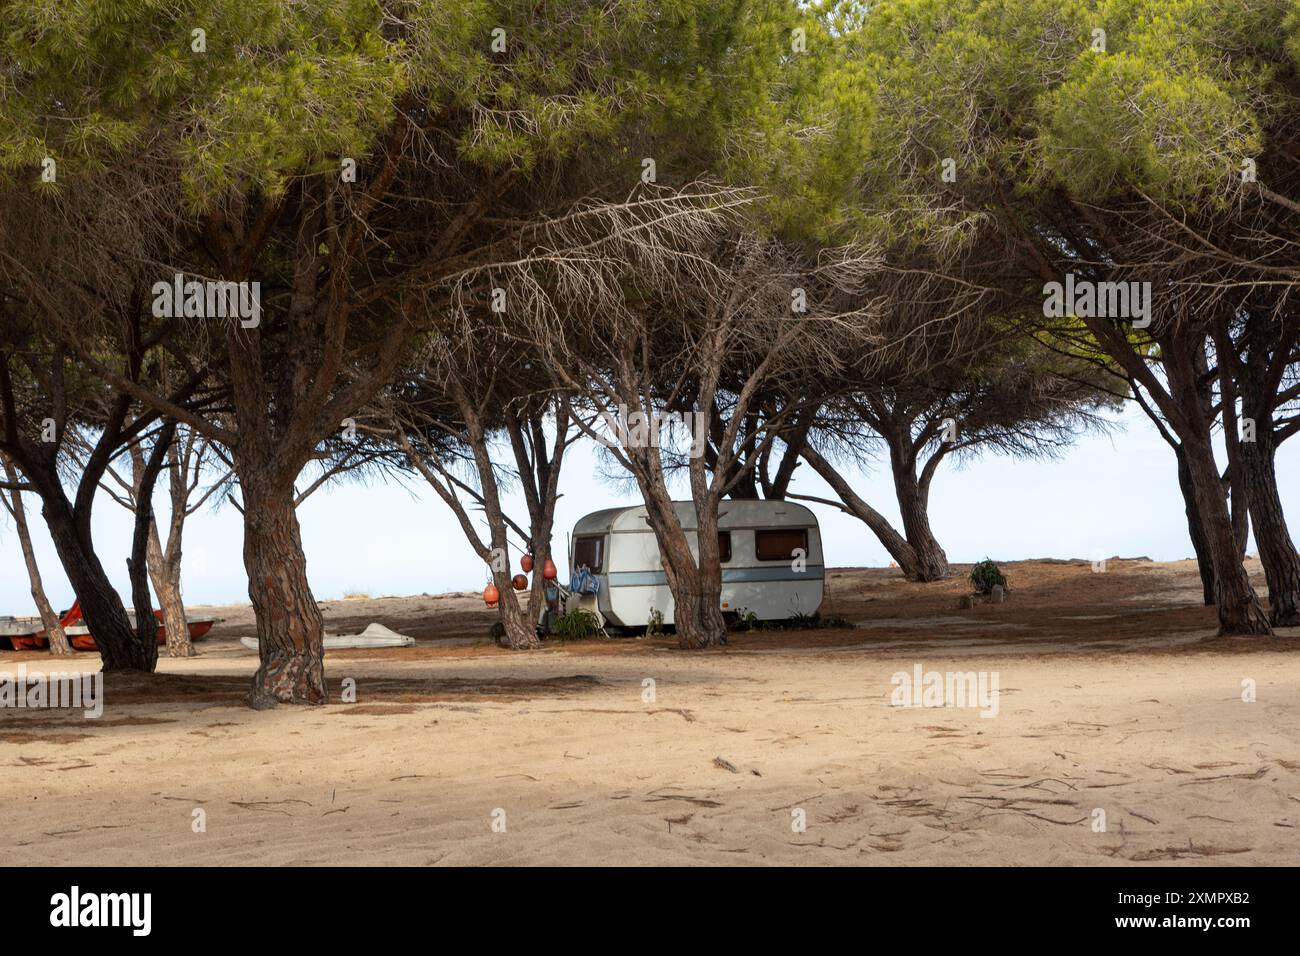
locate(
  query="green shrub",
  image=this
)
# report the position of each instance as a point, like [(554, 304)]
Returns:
[(985, 575), (576, 625)]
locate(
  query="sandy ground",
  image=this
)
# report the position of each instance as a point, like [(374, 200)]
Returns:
[(1114, 696)]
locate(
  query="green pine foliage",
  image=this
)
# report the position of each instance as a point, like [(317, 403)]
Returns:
[(281, 90), (1096, 98)]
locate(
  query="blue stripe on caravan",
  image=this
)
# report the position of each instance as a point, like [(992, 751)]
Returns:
[(632, 579)]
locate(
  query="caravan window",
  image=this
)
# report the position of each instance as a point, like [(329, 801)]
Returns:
[(779, 544), (724, 546), (589, 551)]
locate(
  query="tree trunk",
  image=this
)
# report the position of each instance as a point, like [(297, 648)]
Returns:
[(290, 629), (697, 604), (696, 588), (1189, 414), (165, 563), (101, 607), (794, 440), (930, 563), (1195, 528), (137, 566), (899, 548), (520, 632), (541, 551), (166, 576), (539, 476), (1240, 611), (697, 614), (537, 590), (1236, 482), (1239, 498), (1272, 537), (146, 625), (49, 620)]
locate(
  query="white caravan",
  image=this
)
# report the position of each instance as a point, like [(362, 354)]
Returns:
[(771, 562)]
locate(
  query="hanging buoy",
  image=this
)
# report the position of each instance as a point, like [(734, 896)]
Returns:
[(519, 581), (548, 570), (526, 562), (491, 595)]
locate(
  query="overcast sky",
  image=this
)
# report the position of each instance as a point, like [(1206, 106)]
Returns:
[(1107, 495)]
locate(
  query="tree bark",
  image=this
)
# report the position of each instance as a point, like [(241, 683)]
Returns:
[(1189, 415), (1236, 483), (541, 554), (697, 612), (165, 574), (49, 620), (1183, 355), (1238, 497), (899, 548), (137, 566), (1240, 611), (1195, 528), (520, 631), (70, 530), (794, 441), (165, 563), (1269, 348), (517, 629), (1272, 537), (930, 561), (101, 606), (539, 475), (290, 629), (696, 586)]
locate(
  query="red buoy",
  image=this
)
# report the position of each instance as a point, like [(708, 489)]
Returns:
[(519, 581), (548, 570), (491, 595), (526, 562)]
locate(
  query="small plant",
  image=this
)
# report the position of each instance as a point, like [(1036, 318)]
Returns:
[(656, 624), (577, 625), (986, 575)]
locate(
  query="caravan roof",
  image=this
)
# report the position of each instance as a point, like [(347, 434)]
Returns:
[(732, 513)]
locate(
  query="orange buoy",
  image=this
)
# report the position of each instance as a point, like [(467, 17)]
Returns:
[(491, 595), (526, 562), (519, 581), (548, 570)]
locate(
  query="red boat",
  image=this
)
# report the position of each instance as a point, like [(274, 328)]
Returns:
[(23, 634), (26, 634)]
